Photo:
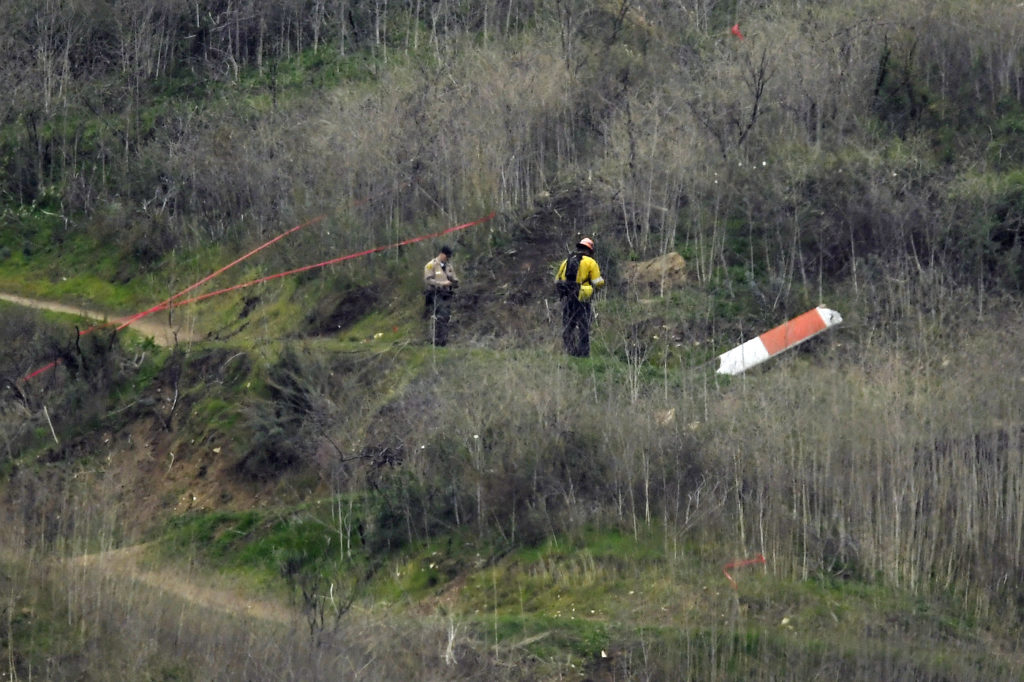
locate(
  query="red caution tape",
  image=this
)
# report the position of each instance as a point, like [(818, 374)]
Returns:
[(759, 559), (181, 293), (184, 291), (173, 301), (325, 263), (167, 302), (40, 370)]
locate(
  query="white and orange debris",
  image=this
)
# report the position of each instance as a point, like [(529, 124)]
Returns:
[(774, 341)]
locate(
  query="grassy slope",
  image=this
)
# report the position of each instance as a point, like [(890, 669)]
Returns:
[(595, 597)]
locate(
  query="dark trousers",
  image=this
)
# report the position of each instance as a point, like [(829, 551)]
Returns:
[(439, 311), (576, 316)]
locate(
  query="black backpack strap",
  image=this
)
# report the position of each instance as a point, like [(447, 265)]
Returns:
[(572, 267), (570, 288)]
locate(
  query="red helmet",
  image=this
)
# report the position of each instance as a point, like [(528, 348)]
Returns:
[(587, 243)]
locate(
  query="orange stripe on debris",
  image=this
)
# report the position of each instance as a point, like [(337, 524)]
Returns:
[(794, 331)]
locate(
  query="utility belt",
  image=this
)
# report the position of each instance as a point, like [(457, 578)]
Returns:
[(438, 293)]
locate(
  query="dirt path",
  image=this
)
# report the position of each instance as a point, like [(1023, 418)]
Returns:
[(154, 326), (204, 590)]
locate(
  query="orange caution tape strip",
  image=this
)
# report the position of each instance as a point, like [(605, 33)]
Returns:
[(759, 559)]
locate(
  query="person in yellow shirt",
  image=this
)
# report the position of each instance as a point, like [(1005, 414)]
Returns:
[(578, 277)]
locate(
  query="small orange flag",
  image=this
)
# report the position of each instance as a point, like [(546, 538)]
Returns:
[(736, 31)]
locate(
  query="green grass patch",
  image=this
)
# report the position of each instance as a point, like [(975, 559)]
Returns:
[(380, 328), (44, 260), (269, 543), (216, 414), (548, 636)]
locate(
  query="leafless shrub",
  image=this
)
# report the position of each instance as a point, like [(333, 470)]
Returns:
[(876, 483)]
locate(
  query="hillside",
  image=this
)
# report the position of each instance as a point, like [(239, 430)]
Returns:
[(297, 485)]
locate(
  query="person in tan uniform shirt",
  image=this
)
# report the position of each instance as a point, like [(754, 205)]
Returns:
[(440, 281)]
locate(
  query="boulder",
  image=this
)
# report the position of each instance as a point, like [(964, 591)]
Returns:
[(659, 274)]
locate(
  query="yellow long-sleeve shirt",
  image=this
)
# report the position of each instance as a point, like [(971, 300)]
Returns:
[(589, 273)]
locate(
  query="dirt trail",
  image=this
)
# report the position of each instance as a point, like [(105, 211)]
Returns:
[(154, 326), (206, 590)]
